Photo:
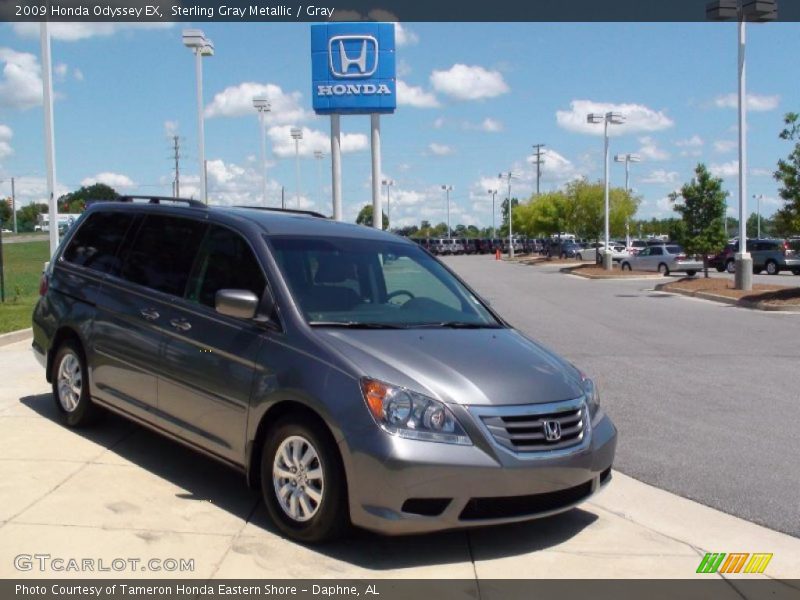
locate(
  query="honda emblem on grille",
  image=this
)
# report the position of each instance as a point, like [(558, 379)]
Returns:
[(552, 431)]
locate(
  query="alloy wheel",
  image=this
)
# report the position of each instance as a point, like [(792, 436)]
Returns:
[(297, 478), (70, 382)]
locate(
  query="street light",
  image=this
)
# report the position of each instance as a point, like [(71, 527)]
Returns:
[(509, 176), (318, 156), (197, 42), (627, 159), (388, 183), (756, 11), (297, 135), (493, 194), (758, 197), (263, 106), (612, 118), (447, 189)]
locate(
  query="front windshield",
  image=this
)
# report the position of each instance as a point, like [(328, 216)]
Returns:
[(353, 282)]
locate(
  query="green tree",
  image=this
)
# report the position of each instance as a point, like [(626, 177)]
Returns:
[(788, 176), (365, 217), (5, 211), (702, 212), (75, 202), (503, 229), (27, 215)]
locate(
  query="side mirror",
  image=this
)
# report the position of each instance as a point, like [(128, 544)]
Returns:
[(241, 304)]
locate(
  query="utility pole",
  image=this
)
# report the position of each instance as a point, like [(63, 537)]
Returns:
[(176, 148), (283, 197), (537, 152)]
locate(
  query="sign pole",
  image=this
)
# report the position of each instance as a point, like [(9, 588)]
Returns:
[(336, 165), (49, 143), (377, 210)]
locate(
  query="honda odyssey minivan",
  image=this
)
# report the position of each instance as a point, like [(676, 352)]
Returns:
[(347, 373)]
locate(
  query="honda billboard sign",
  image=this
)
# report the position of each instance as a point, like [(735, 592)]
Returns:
[(353, 68)]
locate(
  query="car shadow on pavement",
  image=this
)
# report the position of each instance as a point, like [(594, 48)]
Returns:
[(203, 479)]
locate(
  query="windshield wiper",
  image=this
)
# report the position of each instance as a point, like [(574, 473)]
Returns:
[(354, 325), (457, 325)]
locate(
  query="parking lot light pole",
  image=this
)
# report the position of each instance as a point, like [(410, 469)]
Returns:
[(493, 194), (388, 183), (756, 11), (319, 155), (197, 42), (508, 176), (297, 135), (447, 189), (50, 152), (758, 198), (627, 159), (263, 106), (609, 118)]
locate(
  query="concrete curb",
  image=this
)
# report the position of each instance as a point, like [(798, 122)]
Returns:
[(765, 306), (577, 273), (15, 336)]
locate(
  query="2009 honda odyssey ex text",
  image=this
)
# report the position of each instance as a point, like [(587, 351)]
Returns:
[(345, 371)]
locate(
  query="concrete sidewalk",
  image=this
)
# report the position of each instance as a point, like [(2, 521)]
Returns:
[(119, 491)]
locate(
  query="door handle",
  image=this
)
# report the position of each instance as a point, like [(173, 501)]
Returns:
[(149, 313), (181, 324)]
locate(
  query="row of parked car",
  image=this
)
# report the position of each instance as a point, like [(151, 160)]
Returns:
[(456, 246)]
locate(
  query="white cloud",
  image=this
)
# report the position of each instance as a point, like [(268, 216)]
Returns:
[(72, 32), (650, 149), (755, 102), (170, 128), (465, 82), (115, 180), (728, 169), (403, 68), (403, 36), (61, 70), (440, 149), (410, 95), (693, 142), (5, 141), (488, 125), (237, 101), (724, 146), (662, 177), (21, 81), (555, 169), (313, 140), (77, 74), (438, 123), (757, 172), (638, 118), (34, 189)]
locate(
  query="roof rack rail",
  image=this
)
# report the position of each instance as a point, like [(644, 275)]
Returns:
[(153, 200), (296, 211)]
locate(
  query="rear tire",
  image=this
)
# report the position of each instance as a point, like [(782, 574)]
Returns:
[(720, 269), (316, 491), (626, 267), (71, 386), (579, 257), (663, 269), (691, 273), (772, 267)]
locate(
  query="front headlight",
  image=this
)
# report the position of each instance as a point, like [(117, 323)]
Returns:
[(407, 414), (591, 394)]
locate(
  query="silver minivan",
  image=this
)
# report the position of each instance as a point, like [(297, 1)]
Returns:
[(347, 373)]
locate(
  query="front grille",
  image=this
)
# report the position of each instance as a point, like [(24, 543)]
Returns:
[(525, 432), (427, 507), (520, 506)]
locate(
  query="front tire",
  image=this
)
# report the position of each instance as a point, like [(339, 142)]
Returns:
[(626, 267), (730, 267), (71, 386), (303, 481), (691, 273), (579, 257), (663, 269)]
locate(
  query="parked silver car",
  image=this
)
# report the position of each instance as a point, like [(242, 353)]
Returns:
[(349, 375), (664, 258)]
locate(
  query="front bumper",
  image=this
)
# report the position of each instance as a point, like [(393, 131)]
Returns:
[(468, 486)]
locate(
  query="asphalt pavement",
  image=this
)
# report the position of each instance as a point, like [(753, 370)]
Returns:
[(705, 395)]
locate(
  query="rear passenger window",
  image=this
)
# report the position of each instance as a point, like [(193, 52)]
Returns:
[(225, 261), (162, 254), (97, 241)]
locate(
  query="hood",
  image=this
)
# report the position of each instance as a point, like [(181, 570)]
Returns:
[(464, 366)]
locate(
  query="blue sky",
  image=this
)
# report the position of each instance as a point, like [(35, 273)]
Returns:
[(473, 99)]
